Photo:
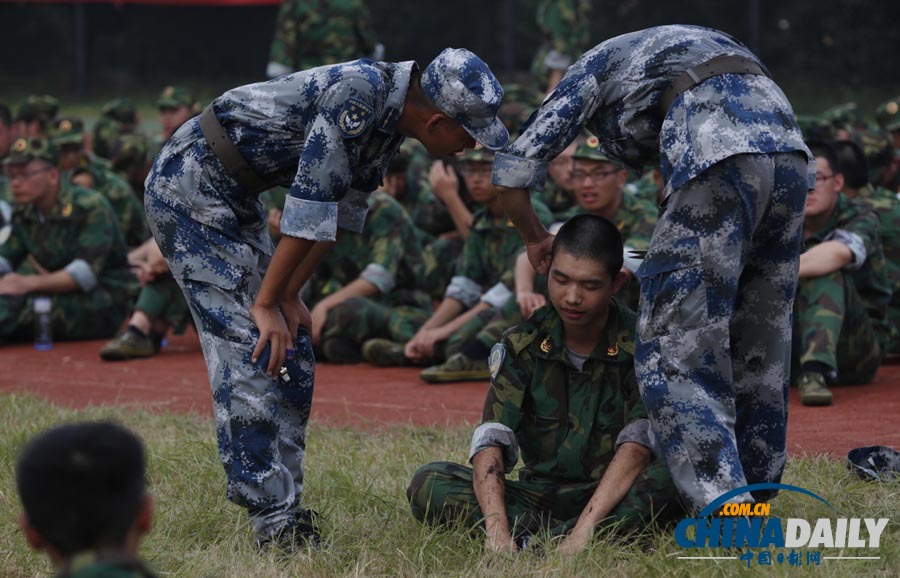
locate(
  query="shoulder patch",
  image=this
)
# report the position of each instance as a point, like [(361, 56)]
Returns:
[(355, 118), (495, 361)]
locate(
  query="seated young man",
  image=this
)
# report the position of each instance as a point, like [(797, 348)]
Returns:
[(563, 391), (84, 499), (65, 243), (481, 281), (840, 313)]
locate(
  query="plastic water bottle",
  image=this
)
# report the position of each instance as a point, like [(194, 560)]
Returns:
[(43, 332)]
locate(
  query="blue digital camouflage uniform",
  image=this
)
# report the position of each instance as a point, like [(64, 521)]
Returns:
[(215, 239), (718, 281), (327, 134)]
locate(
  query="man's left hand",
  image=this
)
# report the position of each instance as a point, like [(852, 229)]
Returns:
[(15, 284), (575, 542)]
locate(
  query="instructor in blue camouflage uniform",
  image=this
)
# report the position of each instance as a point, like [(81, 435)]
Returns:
[(326, 134), (717, 285)]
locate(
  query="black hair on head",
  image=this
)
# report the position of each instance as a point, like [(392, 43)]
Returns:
[(852, 159), (826, 151), (82, 485), (591, 237)]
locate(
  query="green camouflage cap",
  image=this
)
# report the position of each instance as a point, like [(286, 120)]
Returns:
[(175, 97), (888, 114), (129, 150), (590, 150), (479, 154), (38, 107), (120, 109), (878, 146), (67, 130), (25, 150), (843, 115), (815, 128)]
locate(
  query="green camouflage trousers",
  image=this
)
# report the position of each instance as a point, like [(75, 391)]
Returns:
[(162, 300), (438, 264), (442, 492), (74, 316), (360, 318), (831, 326)]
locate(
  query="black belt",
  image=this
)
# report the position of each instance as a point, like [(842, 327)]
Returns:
[(725, 64), (235, 165)]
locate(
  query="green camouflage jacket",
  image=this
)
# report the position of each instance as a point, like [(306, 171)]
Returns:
[(566, 422)]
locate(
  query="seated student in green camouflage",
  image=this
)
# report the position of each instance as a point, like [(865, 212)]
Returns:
[(599, 183), (84, 500), (564, 393), (34, 115), (885, 204), (367, 285), (481, 281), (176, 105), (67, 134), (840, 312), (65, 243), (118, 116)]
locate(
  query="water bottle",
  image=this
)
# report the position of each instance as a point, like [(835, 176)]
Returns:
[(43, 332)]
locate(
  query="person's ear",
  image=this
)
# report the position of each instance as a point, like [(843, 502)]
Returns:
[(839, 181), (144, 521), (32, 536), (621, 177), (620, 280), (435, 121)]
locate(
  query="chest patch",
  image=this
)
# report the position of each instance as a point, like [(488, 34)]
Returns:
[(355, 118), (495, 361)]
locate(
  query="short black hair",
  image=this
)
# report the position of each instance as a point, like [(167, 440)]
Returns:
[(852, 159), (6, 117), (592, 237), (82, 485), (826, 151)]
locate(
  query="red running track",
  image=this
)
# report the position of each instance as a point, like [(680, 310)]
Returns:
[(362, 396)]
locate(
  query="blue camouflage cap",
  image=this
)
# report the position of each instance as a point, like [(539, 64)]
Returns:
[(463, 87)]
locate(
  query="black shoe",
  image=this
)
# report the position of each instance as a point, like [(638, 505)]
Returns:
[(299, 533)]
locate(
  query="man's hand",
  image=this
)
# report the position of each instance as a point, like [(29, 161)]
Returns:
[(15, 284), (295, 315), (529, 301), (575, 543), (444, 182), (500, 542), (539, 254), (318, 317), (273, 330), (421, 347)]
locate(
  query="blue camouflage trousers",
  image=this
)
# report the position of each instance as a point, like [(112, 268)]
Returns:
[(260, 422), (714, 323)]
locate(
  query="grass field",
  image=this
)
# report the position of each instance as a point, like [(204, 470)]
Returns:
[(358, 480)]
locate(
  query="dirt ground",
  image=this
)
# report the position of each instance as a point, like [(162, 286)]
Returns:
[(362, 396)]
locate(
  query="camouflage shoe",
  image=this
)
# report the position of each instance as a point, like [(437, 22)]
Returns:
[(384, 352), (457, 368), (341, 350), (298, 534), (813, 390), (130, 344)]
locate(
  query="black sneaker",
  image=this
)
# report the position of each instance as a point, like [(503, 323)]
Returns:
[(298, 534)]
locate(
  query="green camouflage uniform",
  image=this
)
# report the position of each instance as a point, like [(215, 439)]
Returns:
[(82, 232), (94, 565), (384, 254), (560, 201), (840, 318), (566, 30), (486, 263), (311, 33), (128, 210), (130, 161), (635, 219), (118, 117), (567, 423)]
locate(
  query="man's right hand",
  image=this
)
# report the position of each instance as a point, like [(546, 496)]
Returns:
[(273, 330), (539, 254), (529, 301), (443, 180)]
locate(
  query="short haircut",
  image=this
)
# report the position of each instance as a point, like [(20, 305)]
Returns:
[(852, 159), (826, 151), (591, 237), (82, 485), (6, 117)]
